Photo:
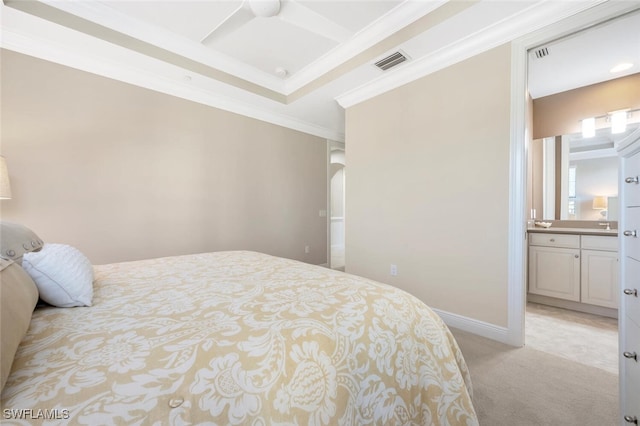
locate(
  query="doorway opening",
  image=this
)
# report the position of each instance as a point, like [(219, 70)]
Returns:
[(571, 288), (337, 206)]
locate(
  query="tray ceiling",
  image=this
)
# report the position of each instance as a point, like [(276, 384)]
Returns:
[(295, 66)]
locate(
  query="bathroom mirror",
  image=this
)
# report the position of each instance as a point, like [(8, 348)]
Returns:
[(576, 178)]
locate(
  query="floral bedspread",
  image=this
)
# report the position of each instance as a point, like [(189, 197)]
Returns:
[(232, 338)]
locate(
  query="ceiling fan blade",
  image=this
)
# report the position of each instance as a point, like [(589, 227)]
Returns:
[(240, 17), (303, 17)]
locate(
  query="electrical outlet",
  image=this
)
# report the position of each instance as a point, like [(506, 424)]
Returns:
[(394, 270), (306, 249)]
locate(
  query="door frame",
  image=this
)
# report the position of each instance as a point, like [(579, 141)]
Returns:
[(519, 146)]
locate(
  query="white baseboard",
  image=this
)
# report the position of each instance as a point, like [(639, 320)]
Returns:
[(481, 328)]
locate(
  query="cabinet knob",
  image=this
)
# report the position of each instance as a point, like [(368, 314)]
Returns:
[(630, 233), (631, 292), (632, 180), (630, 355), (552, 240), (576, 256), (631, 419)]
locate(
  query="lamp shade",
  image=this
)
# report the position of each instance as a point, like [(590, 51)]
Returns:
[(600, 202), (5, 186)]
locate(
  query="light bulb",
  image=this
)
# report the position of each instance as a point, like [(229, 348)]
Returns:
[(589, 127)]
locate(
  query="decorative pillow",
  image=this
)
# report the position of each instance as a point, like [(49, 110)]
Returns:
[(63, 275), (18, 297), (16, 240)]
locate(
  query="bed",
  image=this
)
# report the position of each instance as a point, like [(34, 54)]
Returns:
[(234, 338)]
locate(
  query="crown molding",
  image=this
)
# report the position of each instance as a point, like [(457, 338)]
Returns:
[(396, 19), (528, 20), (101, 14), (97, 63)]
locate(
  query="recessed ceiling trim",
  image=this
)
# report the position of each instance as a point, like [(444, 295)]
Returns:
[(390, 23), (86, 26), (395, 20), (427, 22), (106, 16)]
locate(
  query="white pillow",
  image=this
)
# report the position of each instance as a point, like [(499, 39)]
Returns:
[(63, 275)]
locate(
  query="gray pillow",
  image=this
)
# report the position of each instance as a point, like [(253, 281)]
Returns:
[(16, 240)]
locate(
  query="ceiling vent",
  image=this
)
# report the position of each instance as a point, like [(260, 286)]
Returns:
[(391, 61), (541, 53)]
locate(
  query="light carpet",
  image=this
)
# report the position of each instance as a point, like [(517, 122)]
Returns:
[(527, 387), (577, 336)]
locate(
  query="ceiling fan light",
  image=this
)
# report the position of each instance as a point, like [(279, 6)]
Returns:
[(265, 8)]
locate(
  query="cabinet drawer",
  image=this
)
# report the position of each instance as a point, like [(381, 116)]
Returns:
[(554, 240), (593, 242), (631, 243), (632, 282), (631, 368), (631, 189)]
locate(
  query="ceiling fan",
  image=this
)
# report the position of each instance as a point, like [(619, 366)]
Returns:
[(287, 10)]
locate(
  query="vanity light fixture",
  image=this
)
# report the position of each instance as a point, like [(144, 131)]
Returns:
[(619, 121), (589, 127)]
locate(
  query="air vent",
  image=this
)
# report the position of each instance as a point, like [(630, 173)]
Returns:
[(391, 61), (542, 52)]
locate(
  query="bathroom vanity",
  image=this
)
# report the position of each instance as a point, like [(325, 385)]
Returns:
[(574, 268)]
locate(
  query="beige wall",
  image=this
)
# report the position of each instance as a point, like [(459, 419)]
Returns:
[(126, 173), (428, 187), (561, 114)]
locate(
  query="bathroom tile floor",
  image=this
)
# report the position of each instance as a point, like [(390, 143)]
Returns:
[(580, 337)]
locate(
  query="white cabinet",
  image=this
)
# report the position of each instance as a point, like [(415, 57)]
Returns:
[(578, 268), (630, 279), (599, 271), (599, 278), (554, 272)]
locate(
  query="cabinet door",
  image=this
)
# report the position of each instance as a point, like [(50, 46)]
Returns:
[(554, 272), (599, 280)]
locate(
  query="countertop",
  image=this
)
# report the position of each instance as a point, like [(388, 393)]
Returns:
[(580, 231)]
